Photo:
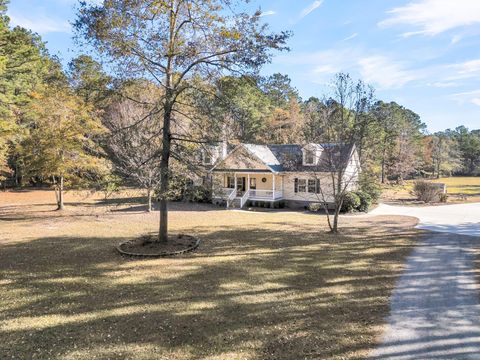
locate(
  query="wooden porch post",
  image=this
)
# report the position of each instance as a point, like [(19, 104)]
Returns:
[(235, 182), (273, 194), (248, 182)]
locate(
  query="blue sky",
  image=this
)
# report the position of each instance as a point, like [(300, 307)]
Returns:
[(423, 54)]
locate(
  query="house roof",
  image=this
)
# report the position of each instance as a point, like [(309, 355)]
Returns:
[(289, 158)]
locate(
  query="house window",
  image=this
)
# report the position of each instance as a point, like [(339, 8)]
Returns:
[(230, 182), (253, 183), (302, 185), (312, 186), (309, 157), (206, 158)]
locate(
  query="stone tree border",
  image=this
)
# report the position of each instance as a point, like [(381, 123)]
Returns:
[(161, 254)]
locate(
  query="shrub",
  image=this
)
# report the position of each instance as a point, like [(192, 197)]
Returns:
[(426, 191), (314, 207), (351, 202), (365, 201), (369, 184), (443, 198), (196, 194)]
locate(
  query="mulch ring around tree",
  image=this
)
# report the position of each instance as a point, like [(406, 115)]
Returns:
[(147, 247)]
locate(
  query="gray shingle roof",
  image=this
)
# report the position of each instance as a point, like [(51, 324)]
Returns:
[(284, 158)]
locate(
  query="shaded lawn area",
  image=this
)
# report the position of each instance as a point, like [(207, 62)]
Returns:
[(270, 285)]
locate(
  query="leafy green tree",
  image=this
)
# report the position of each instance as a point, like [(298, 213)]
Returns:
[(60, 143), (469, 147), (245, 107), (89, 80), (445, 154), (278, 87), (286, 121), (25, 67), (399, 133), (170, 42)]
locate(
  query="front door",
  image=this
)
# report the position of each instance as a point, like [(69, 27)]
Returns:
[(240, 186)]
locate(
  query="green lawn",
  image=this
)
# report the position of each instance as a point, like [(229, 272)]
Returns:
[(270, 285), (462, 185), (459, 189)]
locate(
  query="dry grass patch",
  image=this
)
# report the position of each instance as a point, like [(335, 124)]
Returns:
[(267, 285)]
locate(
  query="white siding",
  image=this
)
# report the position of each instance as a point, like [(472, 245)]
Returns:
[(289, 189), (352, 172)]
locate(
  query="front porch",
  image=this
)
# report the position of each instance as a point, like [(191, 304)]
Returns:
[(237, 188)]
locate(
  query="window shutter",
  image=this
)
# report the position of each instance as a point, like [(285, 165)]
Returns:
[(318, 187), (296, 185)]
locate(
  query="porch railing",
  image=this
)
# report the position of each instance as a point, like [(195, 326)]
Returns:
[(244, 198), (266, 194), (231, 197), (222, 193)]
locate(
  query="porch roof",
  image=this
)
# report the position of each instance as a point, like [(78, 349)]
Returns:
[(259, 171)]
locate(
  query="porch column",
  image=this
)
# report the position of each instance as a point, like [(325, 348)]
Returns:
[(273, 180), (248, 182), (235, 182)]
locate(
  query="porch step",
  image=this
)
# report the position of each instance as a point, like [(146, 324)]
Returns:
[(235, 204)]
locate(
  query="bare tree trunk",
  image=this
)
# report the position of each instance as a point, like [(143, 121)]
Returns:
[(335, 221), (384, 154), (164, 163), (338, 208), (383, 171), (149, 199), (55, 189), (60, 195)]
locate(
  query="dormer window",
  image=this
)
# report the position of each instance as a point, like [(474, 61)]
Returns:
[(308, 157)]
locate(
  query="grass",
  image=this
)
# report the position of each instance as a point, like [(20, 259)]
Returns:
[(468, 186), (270, 285), (459, 189)]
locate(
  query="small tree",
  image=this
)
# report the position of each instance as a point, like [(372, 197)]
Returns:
[(134, 143), (340, 119), (60, 143), (171, 42)]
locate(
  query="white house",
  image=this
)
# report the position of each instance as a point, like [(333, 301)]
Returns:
[(279, 175)]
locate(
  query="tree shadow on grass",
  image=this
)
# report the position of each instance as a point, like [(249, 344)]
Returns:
[(252, 292)]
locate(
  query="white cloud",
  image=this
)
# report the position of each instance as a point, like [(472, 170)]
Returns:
[(443, 84), (316, 4), (354, 35), (467, 70), (267, 13), (41, 24), (376, 69), (432, 17), (472, 97), (386, 73)]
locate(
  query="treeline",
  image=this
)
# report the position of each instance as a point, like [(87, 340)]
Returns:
[(80, 127)]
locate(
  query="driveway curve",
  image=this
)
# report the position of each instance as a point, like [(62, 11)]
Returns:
[(463, 219), (435, 308)]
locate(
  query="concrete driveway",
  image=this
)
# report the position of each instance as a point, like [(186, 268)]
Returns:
[(435, 308), (463, 219)]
